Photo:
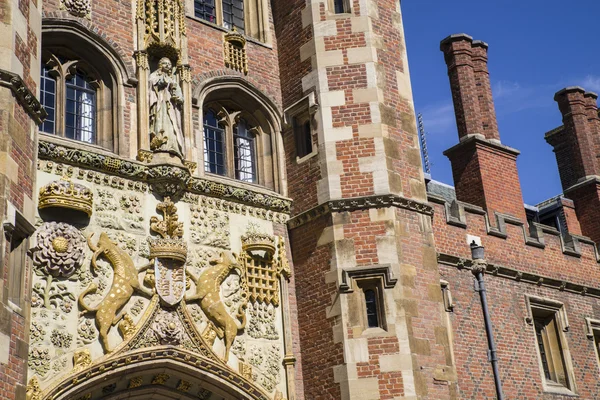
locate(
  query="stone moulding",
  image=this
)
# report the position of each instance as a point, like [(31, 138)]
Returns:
[(360, 203), (455, 214), (384, 271), (521, 276), (24, 96), (138, 171)]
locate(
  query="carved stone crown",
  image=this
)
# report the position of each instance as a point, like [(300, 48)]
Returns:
[(174, 249), (66, 194), (256, 241)]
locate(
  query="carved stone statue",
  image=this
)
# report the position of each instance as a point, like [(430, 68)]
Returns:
[(165, 102)]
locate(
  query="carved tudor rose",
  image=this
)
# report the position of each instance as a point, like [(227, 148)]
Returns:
[(59, 249)]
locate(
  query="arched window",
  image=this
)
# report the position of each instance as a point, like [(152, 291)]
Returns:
[(82, 80), (229, 145)]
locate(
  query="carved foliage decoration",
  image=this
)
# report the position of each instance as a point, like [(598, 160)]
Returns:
[(209, 227), (78, 8), (59, 250)]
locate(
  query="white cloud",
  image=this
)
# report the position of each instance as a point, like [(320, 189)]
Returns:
[(505, 89), (439, 118), (591, 82)]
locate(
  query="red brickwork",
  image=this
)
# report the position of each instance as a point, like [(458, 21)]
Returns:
[(320, 353)]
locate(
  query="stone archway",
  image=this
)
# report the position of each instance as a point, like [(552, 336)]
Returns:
[(156, 373)]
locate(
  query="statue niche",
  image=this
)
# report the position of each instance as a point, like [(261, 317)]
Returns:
[(165, 101)]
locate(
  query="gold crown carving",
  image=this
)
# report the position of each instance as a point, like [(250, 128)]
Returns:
[(236, 37), (66, 194), (174, 249), (170, 243), (256, 241)]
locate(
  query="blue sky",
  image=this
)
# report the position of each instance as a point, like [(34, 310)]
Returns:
[(536, 48)]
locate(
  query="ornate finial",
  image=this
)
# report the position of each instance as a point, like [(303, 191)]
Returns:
[(170, 245), (284, 265), (169, 227)]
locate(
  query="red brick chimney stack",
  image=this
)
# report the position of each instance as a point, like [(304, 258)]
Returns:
[(577, 146), (484, 170), (458, 53), (484, 90)]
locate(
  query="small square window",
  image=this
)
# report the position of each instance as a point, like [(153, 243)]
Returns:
[(340, 6)]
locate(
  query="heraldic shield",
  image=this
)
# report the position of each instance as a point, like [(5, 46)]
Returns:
[(170, 280)]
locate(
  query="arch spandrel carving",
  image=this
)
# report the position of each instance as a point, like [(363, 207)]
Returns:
[(68, 358)]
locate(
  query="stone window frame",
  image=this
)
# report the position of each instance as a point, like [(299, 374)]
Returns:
[(592, 329), (228, 118), (347, 5), (66, 46), (355, 281), (296, 116), (17, 231), (541, 305), (256, 18)]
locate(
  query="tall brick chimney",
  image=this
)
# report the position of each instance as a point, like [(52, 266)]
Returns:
[(484, 170), (577, 146)]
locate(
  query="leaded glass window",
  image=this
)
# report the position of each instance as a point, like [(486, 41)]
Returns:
[(214, 144), (233, 14), (48, 100), (244, 153), (80, 115), (206, 10)]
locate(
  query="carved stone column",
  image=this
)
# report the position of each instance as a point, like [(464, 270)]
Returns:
[(143, 68)]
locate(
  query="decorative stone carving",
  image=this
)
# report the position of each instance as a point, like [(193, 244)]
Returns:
[(125, 282), (36, 332), (66, 194), (136, 382), (39, 361), (33, 391), (59, 365), (183, 386), (208, 288), (127, 327), (61, 339), (170, 246), (165, 101), (52, 295), (261, 323), (160, 379), (137, 307), (82, 359), (166, 179), (24, 96), (209, 228), (78, 8), (235, 51), (86, 332), (59, 249), (168, 328), (204, 394), (170, 280), (245, 370)]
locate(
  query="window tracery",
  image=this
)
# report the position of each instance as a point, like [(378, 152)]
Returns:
[(248, 17)]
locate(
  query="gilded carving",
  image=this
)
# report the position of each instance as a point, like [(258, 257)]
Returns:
[(127, 327), (245, 370), (66, 194), (160, 379), (59, 249), (33, 391), (208, 292), (235, 51), (184, 386), (204, 394), (125, 282), (82, 359), (136, 382)]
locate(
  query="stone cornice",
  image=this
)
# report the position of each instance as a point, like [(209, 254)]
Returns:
[(360, 203), (24, 96), (163, 178), (479, 141), (521, 276)]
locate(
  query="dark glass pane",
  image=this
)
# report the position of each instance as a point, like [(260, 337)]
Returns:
[(372, 312), (48, 99), (81, 109), (214, 146), (338, 6), (245, 165)]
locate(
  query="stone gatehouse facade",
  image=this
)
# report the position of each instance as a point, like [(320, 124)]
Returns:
[(224, 199)]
